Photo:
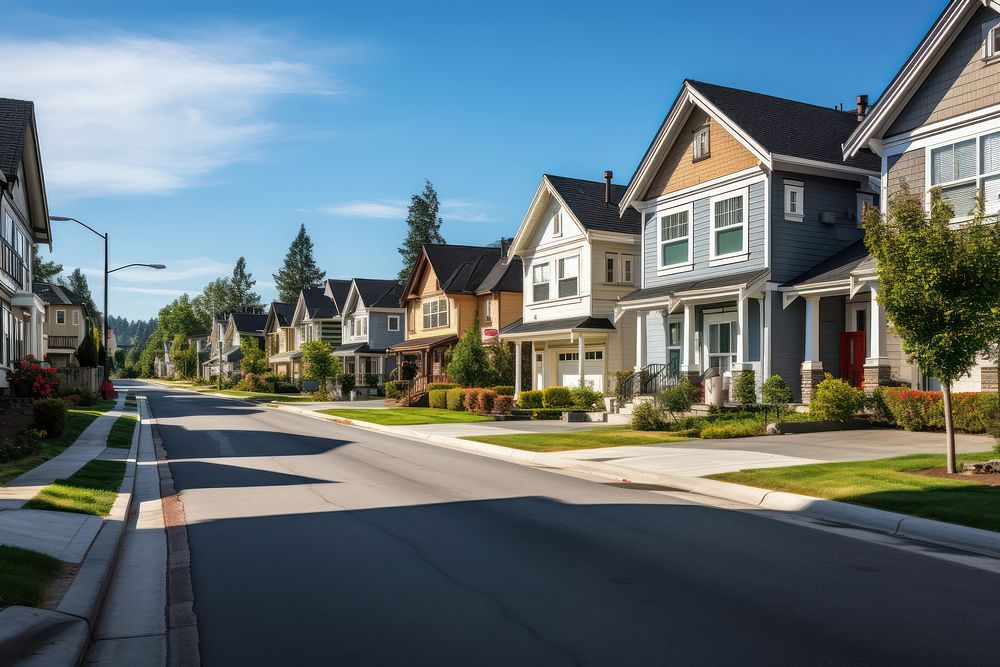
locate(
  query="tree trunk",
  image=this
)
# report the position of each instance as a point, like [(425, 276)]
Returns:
[(949, 428)]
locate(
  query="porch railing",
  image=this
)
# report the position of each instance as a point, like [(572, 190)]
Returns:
[(11, 263), (648, 381), (415, 389), (63, 342)]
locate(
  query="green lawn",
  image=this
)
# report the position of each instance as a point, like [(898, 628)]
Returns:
[(90, 490), (888, 484), (121, 432), (607, 436), (77, 420), (268, 396), (406, 416), (25, 576)]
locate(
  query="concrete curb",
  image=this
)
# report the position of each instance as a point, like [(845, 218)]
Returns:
[(940, 533), (62, 637)]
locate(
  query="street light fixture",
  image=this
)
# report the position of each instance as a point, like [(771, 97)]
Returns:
[(106, 385)]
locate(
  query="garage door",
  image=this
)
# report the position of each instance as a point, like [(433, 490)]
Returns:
[(593, 369)]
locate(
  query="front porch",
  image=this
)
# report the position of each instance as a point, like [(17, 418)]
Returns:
[(424, 355), (368, 367)]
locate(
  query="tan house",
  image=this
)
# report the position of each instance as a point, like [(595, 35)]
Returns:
[(449, 286), (279, 341), (65, 323)]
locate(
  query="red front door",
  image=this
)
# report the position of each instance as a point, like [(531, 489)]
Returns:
[(852, 357)]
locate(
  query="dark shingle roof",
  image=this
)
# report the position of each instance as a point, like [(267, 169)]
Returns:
[(15, 117), (837, 267), (283, 312), (249, 323), (505, 276), (318, 305), (787, 127), (460, 268), (586, 200), (688, 285), (339, 289), (541, 326), (54, 294), (376, 293)]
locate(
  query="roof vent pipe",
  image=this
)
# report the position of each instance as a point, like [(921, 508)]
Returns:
[(862, 107), (608, 175)]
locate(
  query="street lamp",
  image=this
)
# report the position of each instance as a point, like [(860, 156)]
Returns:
[(107, 272)]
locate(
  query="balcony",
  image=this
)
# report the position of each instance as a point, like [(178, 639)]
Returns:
[(11, 264), (63, 342)]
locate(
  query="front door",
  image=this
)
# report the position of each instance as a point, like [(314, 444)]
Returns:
[(852, 357)]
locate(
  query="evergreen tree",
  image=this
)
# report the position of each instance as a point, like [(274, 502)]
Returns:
[(424, 226), (299, 270), (241, 284), (468, 362), (77, 282), (86, 354), (41, 269)]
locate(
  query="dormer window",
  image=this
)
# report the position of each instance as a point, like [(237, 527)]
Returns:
[(557, 224), (702, 143)]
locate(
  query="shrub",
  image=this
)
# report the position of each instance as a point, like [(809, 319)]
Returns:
[(88, 398), (471, 400), (504, 390), (72, 399), (251, 382), (20, 445), (647, 417), (50, 415), (836, 400), (557, 397), (924, 410), (32, 379), (431, 386), (585, 398), (438, 398), (546, 413), (732, 429), (878, 406), (678, 399), (776, 394), (346, 384), (394, 389), (486, 398), (745, 387), (372, 380), (530, 399), (503, 404), (455, 399)]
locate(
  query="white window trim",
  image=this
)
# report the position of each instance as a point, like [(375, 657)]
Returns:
[(665, 270), (979, 176), (76, 318), (622, 258), (578, 277), (989, 27), (63, 313), (547, 264), (798, 187), (557, 225), (720, 318), (389, 323), (707, 130), (733, 257), (615, 270)]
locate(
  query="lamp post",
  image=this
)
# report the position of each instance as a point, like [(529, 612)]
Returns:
[(106, 384)]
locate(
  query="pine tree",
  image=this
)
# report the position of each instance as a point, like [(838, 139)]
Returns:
[(41, 269), (299, 270), (424, 226), (244, 298)]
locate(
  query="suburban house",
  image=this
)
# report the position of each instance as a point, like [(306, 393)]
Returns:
[(937, 125), (749, 210), (65, 323), (374, 321), (279, 341), (163, 365), (449, 286), (24, 220), (580, 256), (232, 331), (317, 314)]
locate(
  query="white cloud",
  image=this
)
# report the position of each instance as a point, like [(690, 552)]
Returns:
[(141, 115), (459, 210), (159, 291), (183, 269)]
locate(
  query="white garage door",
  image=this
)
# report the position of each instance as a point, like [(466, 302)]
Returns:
[(593, 369)]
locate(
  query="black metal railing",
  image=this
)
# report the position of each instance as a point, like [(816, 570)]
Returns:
[(63, 342), (11, 263), (648, 381)]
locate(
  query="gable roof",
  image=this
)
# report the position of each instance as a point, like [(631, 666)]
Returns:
[(771, 128), (19, 145), (318, 306), (282, 312), (15, 118), (835, 268), (585, 199), (914, 71), (507, 275), (379, 293), (249, 323), (55, 294), (337, 289)]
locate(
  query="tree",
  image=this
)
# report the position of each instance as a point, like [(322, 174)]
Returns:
[(776, 395), (319, 364), (44, 270), (468, 362), (215, 300), (242, 282), (299, 270), (254, 360), (86, 354), (502, 364), (180, 317), (938, 284), (77, 283), (184, 357), (424, 226)]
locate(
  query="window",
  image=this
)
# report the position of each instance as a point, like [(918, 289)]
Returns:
[(60, 317), (627, 269), (568, 269), (863, 199), (721, 346), (729, 225), (364, 326), (610, 267), (675, 238), (435, 313), (393, 323), (489, 309), (702, 143), (76, 318), (557, 224), (540, 282), (991, 40), (966, 168), (794, 205), (593, 355)]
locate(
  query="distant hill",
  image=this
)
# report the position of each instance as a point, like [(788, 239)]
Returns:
[(131, 332)]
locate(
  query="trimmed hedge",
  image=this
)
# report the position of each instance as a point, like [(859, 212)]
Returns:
[(438, 398), (733, 430), (530, 399), (471, 400), (431, 386), (504, 390), (455, 399), (50, 416), (503, 404), (486, 399), (557, 397), (924, 410)]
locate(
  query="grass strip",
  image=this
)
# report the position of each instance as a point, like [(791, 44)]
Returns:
[(269, 396), (121, 432), (406, 416), (888, 484), (610, 436), (25, 576), (90, 490), (77, 419)]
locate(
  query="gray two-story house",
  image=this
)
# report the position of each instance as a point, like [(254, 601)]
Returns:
[(742, 194), (373, 321)]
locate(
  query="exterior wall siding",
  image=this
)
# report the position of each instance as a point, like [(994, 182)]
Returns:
[(832, 316), (788, 341), (379, 336), (960, 83), (906, 168)]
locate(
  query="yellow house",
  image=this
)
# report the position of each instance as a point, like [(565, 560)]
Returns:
[(65, 322), (279, 341)]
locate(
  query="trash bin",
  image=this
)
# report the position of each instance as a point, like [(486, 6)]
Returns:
[(716, 391)]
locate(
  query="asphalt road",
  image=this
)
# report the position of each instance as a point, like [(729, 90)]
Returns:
[(313, 543)]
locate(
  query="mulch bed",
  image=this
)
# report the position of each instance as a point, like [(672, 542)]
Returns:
[(992, 479)]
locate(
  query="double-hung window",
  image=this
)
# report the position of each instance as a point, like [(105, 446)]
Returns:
[(702, 143), (568, 270), (627, 269), (435, 313), (489, 309), (540, 282), (729, 224), (675, 238), (393, 323), (794, 204), (611, 267), (965, 169)]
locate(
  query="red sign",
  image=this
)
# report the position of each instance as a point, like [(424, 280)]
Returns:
[(491, 332)]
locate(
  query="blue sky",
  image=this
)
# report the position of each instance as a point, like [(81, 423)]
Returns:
[(206, 131)]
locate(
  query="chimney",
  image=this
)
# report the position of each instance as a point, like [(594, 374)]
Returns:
[(503, 248), (608, 175), (862, 107)]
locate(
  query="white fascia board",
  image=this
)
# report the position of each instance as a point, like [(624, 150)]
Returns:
[(524, 230), (612, 237), (761, 153), (792, 163)]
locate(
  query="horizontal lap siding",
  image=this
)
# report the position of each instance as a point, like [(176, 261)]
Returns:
[(656, 338), (379, 336), (788, 341), (832, 315), (907, 168)]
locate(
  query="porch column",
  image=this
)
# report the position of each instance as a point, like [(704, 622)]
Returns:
[(812, 367), (640, 336), (517, 368), (689, 345), (743, 338), (580, 346), (877, 368)]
